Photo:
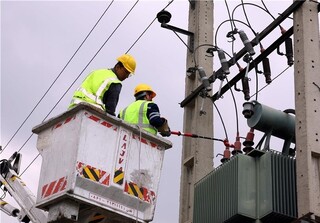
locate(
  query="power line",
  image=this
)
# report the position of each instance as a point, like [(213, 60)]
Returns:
[(56, 79), (221, 119), (30, 164), (147, 28), (87, 66), (271, 81), (79, 76)]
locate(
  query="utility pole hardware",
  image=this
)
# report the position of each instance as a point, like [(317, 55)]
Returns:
[(197, 154)]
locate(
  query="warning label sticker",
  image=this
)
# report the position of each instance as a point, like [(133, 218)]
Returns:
[(112, 204)]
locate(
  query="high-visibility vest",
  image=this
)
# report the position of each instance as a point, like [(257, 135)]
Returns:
[(136, 113), (93, 88)]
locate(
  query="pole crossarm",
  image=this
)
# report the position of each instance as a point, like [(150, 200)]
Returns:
[(252, 65), (294, 6)]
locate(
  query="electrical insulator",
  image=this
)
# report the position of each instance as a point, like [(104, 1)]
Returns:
[(246, 42), (289, 51), (223, 61), (237, 146), (239, 67), (248, 143), (248, 109), (226, 155), (266, 70), (282, 30), (204, 79), (245, 88), (292, 152)]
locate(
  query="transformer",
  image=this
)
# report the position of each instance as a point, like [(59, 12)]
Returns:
[(246, 189)]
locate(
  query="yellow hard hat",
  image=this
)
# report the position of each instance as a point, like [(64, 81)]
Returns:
[(143, 88), (128, 62)]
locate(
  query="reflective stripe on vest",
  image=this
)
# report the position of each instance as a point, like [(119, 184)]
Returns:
[(75, 101), (93, 88), (140, 118)]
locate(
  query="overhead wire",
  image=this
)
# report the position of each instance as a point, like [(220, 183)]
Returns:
[(261, 47), (55, 80), (88, 65), (246, 17), (245, 14), (195, 50), (234, 99), (128, 51), (222, 122), (140, 35), (257, 84), (234, 20), (252, 4), (170, 2), (82, 72), (228, 10), (235, 106), (272, 81), (231, 24), (34, 159), (247, 24), (267, 9)]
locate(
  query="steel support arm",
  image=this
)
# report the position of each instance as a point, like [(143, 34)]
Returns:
[(295, 5), (24, 198), (252, 65)]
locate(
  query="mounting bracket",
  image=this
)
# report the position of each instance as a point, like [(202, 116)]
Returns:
[(164, 17)]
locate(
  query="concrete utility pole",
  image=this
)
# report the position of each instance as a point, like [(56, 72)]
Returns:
[(197, 154), (307, 103)]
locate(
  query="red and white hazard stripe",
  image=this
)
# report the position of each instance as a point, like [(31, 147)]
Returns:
[(80, 166), (105, 178), (100, 121), (64, 122), (147, 142), (54, 187)]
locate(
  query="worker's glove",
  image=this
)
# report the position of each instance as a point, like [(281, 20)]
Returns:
[(166, 133), (164, 129)]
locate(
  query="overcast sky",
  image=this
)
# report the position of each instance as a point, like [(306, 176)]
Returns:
[(38, 38)]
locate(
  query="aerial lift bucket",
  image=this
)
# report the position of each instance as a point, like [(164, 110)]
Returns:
[(94, 162)]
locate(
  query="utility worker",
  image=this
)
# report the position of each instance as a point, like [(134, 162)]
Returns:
[(101, 88), (145, 113)]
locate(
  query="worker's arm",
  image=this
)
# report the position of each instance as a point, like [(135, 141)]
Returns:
[(155, 120), (153, 115), (111, 98)]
